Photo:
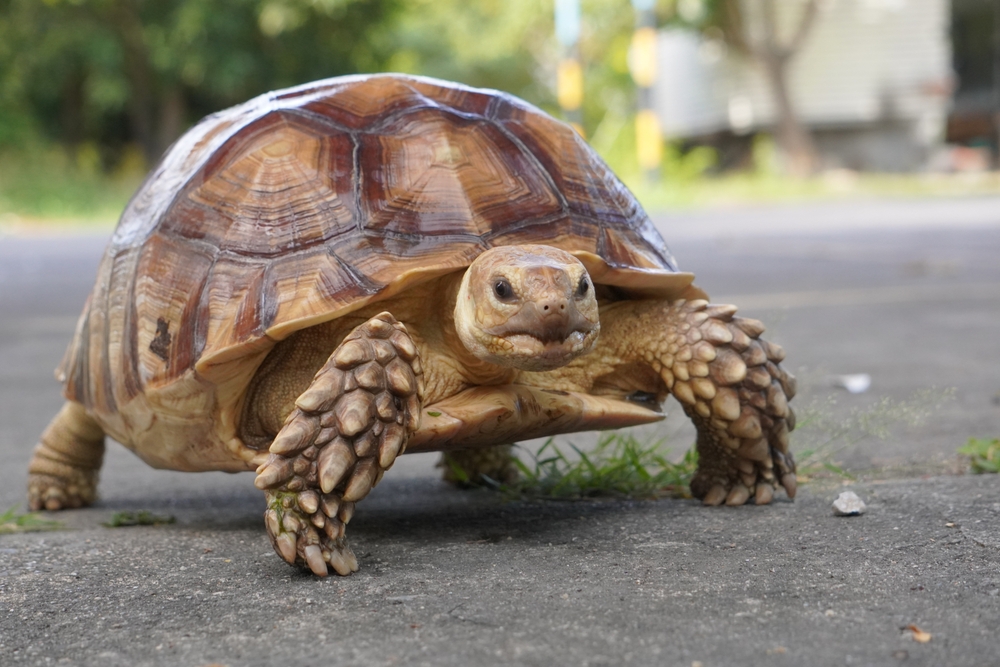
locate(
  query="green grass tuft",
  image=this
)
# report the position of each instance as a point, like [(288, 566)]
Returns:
[(140, 518), (618, 467), (621, 466), (13, 522), (984, 455)]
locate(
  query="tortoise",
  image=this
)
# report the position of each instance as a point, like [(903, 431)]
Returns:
[(323, 278)]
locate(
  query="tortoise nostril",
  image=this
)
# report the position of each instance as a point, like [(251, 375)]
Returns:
[(552, 307)]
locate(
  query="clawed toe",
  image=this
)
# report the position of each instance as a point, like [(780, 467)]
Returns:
[(763, 495), (46, 492), (308, 530), (715, 496), (315, 561), (738, 495), (346, 429), (790, 483), (731, 384)]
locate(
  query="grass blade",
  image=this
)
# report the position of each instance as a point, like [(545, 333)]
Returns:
[(619, 466)]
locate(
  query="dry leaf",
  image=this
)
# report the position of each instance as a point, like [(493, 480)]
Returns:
[(918, 634)]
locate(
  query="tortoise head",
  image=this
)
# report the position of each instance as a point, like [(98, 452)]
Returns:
[(530, 307)]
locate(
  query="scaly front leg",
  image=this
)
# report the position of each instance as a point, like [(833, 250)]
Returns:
[(731, 385), (727, 379), (346, 430)]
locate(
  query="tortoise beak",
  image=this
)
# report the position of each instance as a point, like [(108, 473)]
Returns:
[(548, 333), (550, 320)]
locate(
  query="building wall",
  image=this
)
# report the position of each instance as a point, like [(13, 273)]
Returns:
[(877, 68)]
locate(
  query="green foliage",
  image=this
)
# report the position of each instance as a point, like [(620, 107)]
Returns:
[(509, 45), (12, 521), (53, 184), (457, 472), (984, 455), (474, 42), (618, 467), (120, 71), (685, 166), (622, 467), (111, 83), (114, 72), (140, 518)]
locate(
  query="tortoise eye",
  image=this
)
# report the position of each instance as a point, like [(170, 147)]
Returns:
[(583, 288), (503, 290)]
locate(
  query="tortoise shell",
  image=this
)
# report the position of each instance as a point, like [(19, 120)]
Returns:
[(304, 204)]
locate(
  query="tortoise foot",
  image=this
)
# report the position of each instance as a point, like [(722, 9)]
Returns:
[(64, 469), (48, 492), (732, 386), (736, 481), (307, 529), (346, 430)]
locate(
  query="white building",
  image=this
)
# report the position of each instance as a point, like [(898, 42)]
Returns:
[(872, 82)]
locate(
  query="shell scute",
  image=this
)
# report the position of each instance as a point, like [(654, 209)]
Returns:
[(433, 173), (286, 171), (237, 305), (170, 320), (462, 99), (322, 277), (592, 193), (363, 104)]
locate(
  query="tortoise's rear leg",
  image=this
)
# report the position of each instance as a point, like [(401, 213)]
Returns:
[(346, 429), (63, 472), (470, 467)]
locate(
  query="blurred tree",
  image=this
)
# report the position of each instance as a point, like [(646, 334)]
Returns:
[(510, 45), (752, 28), (117, 71), (493, 43), (114, 73)]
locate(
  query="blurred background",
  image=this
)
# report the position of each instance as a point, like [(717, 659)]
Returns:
[(693, 102)]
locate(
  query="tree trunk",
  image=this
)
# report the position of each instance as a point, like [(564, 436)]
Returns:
[(765, 48), (71, 103), (172, 111), (124, 19), (794, 141)]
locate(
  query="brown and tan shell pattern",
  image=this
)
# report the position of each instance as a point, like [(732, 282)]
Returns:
[(304, 204)]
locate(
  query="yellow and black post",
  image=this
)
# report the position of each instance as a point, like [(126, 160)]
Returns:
[(569, 75), (642, 64)]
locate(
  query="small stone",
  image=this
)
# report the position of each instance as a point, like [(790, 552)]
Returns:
[(848, 504), (855, 383)]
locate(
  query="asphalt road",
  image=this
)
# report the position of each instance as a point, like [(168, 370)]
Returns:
[(907, 292)]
